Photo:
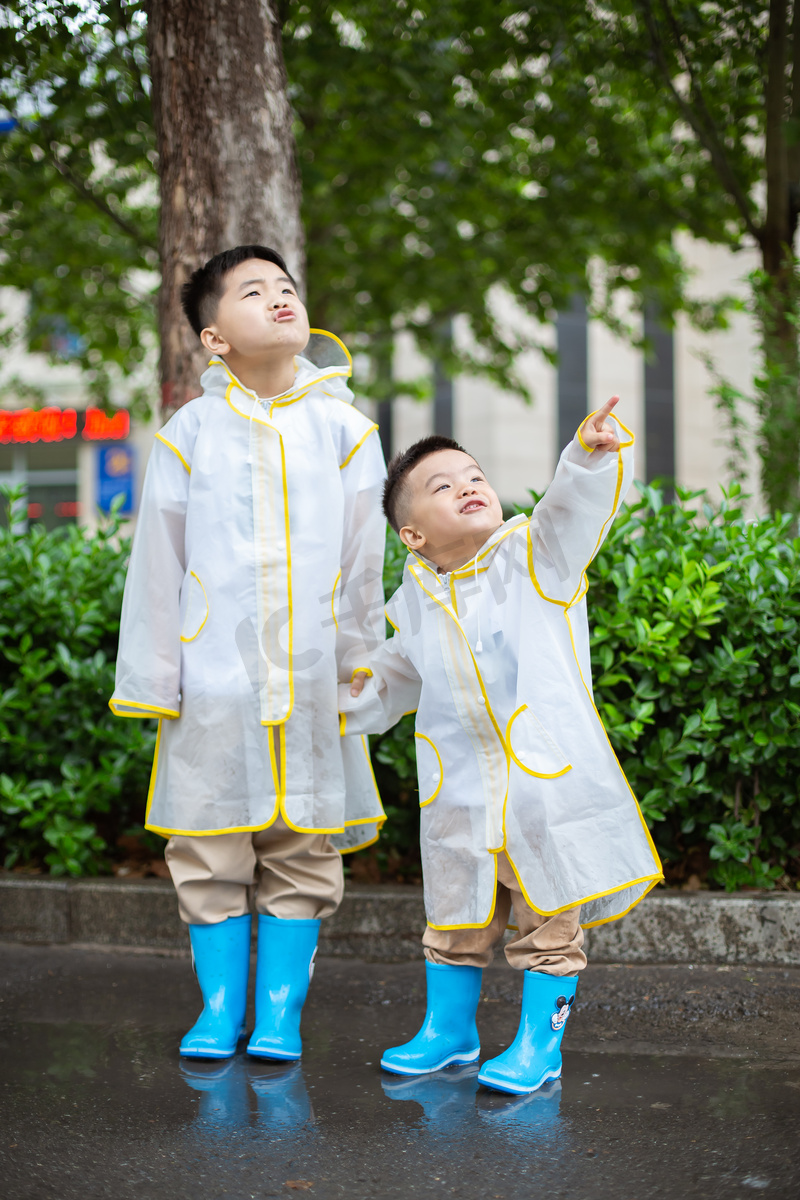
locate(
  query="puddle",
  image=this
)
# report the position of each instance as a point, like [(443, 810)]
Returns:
[(78, 1094), (95, 1102)]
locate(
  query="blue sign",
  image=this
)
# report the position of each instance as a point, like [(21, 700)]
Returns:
[(116, 466)]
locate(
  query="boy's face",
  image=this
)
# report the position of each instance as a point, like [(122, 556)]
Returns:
[(259, 315), (451, 509)]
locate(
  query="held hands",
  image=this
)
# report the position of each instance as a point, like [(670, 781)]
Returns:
[(359, 679), (595, 433)]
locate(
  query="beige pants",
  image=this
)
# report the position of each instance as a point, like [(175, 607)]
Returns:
[(295, 875), (551, 944)]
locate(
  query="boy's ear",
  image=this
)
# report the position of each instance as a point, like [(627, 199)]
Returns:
[(412, 538), (213, 341)]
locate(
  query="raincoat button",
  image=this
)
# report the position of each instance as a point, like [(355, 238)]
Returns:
[(481, 699)]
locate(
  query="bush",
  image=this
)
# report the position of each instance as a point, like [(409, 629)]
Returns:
[(694, 614), (72, 777)]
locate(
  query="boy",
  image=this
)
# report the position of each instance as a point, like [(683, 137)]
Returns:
[(254, 585), (522, 798)]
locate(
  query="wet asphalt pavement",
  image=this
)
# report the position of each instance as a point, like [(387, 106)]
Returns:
[(678, 1083)]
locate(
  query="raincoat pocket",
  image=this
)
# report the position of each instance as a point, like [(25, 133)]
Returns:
[(197, 609), (532, 748), (430, 773)]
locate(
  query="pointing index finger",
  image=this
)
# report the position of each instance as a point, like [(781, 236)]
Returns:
[(602, 413)]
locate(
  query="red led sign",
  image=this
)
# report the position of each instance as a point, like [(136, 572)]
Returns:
[(23, 425), (38, 425), (98, 427), (65, 508)]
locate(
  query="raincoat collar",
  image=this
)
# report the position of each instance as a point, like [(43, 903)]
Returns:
[(325, 359), (487, 549)]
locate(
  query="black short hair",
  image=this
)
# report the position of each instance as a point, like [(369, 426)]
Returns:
[(395, 490), (200, 294)]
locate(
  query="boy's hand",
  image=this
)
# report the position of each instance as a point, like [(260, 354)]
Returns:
[(595, 433), (357, 686)]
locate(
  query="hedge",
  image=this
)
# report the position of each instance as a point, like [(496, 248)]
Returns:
[(72, 777), (694, 612)]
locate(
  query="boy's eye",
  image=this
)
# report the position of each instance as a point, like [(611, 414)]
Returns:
[(441, 487), (254, 292)]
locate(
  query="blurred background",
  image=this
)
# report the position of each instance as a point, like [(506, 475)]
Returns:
[(509, 212)]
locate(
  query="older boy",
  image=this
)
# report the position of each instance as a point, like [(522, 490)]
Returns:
[(254, 585), (522, 799)]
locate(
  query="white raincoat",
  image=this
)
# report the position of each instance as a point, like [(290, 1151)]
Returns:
[(254, 586), (511, 752)]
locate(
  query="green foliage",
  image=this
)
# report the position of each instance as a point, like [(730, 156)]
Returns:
[(695, 614), (78, 189), (513, 147), (72, 776), (483, 171)]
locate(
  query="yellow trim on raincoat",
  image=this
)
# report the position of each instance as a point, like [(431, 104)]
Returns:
[(160, 437), (208, 610), (148, 710), (357, 447), (424, 738)]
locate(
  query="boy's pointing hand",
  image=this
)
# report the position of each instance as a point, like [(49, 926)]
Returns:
[(596, 433)]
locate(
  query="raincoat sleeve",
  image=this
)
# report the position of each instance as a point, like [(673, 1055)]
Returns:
[(360, 626), (391, 691), (149, 659), (570, 522)]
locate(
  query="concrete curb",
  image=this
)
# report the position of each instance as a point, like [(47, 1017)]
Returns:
[(386, 923)]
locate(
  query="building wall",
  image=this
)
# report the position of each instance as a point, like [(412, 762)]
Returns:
[(701, 450)]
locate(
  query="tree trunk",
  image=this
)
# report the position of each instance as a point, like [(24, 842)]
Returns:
[(778, 299), (226, 154)]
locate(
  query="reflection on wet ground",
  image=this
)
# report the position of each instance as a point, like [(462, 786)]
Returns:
[(95, 1102)]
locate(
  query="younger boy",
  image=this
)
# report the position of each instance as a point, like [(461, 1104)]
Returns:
[(254, 585), (522, 800)]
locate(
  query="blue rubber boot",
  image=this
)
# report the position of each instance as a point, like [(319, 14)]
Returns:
[(449, 1033), (535, 1054), (221, 956), (284, 968)]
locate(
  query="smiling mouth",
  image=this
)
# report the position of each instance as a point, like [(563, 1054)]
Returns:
[(473, 506)]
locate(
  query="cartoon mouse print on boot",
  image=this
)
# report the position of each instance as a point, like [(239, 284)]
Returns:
[(563, 1008)]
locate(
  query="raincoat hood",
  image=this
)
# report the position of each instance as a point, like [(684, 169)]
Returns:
[(325, 359)]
